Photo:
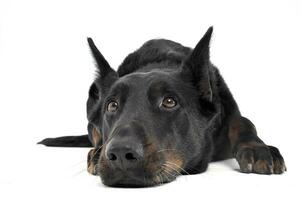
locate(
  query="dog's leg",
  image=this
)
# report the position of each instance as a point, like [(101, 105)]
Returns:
[(252, 154)]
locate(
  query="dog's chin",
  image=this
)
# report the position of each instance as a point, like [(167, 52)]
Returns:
[(133, 183), (131, 180), (126, 183)]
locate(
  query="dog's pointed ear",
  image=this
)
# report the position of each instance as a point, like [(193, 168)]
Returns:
[(105, 74), (198, 64), (103, 66), (105, 78)]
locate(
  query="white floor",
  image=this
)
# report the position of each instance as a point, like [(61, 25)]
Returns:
[(60, 173)]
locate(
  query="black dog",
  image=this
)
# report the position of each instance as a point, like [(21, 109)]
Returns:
[(166, 111)]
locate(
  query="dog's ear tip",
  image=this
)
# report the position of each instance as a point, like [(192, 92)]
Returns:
[(209, 32), (210, 28)]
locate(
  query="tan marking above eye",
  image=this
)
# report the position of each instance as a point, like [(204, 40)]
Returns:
[(169, 102), (112, 106)]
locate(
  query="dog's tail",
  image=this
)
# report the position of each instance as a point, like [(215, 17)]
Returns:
[(67, 141)]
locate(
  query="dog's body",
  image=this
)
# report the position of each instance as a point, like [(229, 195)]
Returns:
[(166, 111)]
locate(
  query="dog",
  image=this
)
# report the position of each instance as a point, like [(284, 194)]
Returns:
[(165, 112)]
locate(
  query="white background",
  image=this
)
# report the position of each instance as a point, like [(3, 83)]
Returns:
[(46, 69)]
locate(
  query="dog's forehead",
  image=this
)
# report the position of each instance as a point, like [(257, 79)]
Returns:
[(148, 80)]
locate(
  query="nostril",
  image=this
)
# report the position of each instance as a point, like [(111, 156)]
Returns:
[(112, 157), (130, 156)]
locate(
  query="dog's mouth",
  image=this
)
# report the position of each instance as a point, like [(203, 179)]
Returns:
[(135, 178)]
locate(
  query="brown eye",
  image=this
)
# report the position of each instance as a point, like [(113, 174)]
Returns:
[(169, 102), (112, 106)]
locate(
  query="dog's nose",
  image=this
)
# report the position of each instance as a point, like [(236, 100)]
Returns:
[(125, 149), (123, 154)]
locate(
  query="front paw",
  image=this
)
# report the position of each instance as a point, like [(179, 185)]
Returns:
[(260, 158)]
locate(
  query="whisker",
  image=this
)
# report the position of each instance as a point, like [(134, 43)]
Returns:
[(172, 169), (156, 180), (178, 167), (165, 175), (160, 179), (79, 172), (166, 150), (167, 172), (192, 169), (78, 163)]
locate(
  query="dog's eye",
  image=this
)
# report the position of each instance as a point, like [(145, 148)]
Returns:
[(169, 102), (112, 106)]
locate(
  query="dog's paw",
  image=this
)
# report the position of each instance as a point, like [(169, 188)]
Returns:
[(92, 161), (261, 159)]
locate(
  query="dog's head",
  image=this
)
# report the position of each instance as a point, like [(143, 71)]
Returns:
[(151, 125)]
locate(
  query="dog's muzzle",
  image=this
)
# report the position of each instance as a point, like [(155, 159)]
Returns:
[(125, 154)]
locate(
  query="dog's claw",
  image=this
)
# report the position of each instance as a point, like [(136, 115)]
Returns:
[(249, 167)]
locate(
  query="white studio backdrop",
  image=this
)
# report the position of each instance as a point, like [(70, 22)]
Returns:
[(46, 70)]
